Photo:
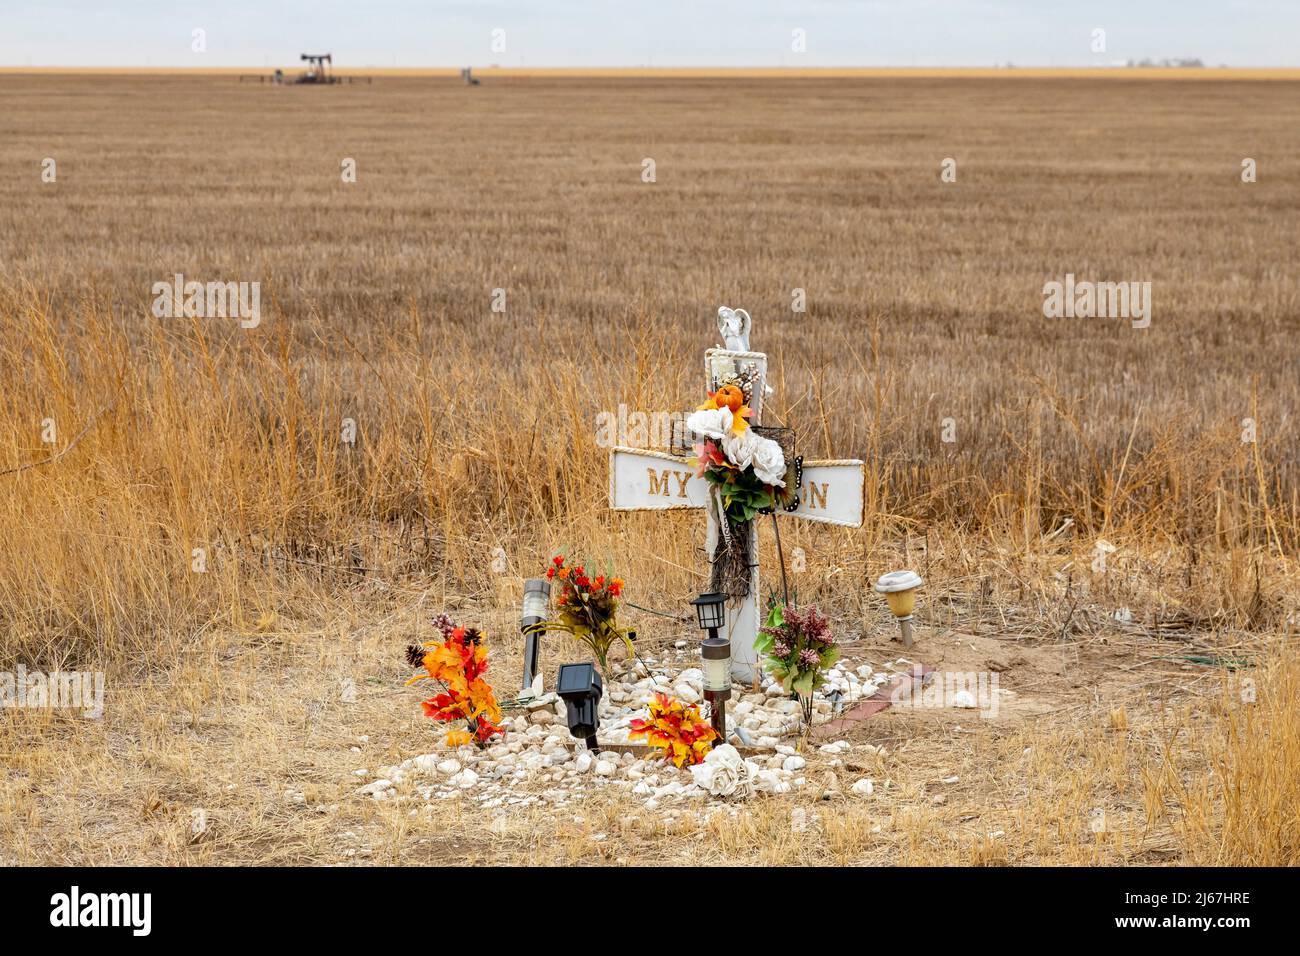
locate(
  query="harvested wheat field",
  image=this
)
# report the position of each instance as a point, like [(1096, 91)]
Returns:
[(243, 524)]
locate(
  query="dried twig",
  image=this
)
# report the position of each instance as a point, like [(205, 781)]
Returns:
[(66, 448)]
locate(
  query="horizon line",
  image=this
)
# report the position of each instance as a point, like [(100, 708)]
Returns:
[(697, 72)]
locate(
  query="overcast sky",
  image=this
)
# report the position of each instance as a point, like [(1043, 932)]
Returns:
[(648, 32)]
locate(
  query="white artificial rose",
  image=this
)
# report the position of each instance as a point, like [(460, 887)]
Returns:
[(711, 422), (739, 449), (724, 773), (769, 462)]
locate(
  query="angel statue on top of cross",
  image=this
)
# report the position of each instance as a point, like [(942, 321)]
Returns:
[(734, 325)]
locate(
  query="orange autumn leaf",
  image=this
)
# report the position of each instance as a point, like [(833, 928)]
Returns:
[(458, 738)]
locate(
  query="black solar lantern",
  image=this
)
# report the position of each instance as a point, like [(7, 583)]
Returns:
[(711, 611), (579, 686)]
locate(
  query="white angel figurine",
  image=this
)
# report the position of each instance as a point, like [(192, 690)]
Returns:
[(734, 325)]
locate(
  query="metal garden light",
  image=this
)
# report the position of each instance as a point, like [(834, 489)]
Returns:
[(715, 654), (537, 597), (579, 686), (899, 589), (711, 610)]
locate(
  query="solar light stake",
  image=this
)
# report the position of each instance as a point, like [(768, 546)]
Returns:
[(579, 686), (899, 589), (537, 596), (716, 656)]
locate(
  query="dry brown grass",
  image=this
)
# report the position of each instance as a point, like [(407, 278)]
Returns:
[(475, 431)]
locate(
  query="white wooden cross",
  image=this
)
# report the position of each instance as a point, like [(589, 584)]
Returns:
[(642, 480)]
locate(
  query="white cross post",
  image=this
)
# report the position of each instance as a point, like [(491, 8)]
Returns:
[(643, 480)]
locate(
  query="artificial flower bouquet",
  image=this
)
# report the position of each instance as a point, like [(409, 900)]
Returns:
[(458, 662), (587, 610), (677, 728), (798, 650), (745, 467)]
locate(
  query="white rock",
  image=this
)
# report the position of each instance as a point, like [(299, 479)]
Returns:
[(686, 693), (376, 788), (465, 779), (864, 787), (964, 698), (449, 767), (605, 768), (794, 763), (769, 781)]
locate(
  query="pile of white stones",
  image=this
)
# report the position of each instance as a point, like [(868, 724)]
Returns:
[(537, 764)]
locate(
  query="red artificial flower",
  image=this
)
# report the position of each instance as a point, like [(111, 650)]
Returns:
[(707, 454)]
